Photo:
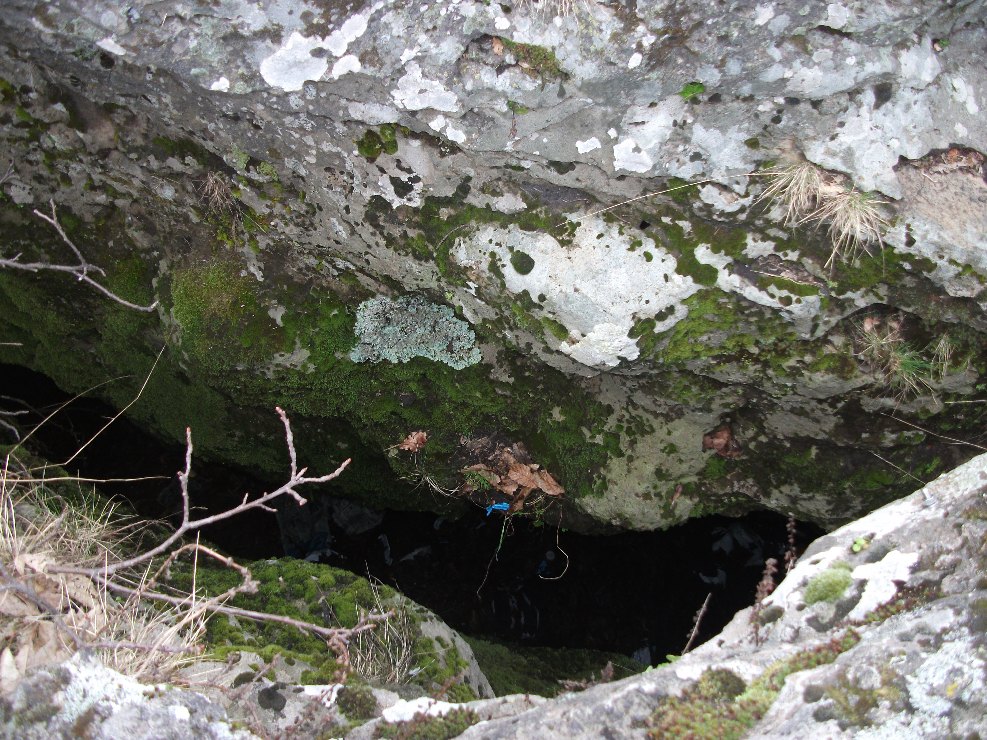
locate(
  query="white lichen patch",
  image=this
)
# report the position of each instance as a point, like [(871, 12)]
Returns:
[(880, 578), (597, 287), (587, 146), (644, 130), (954, 672), (293, 65), (414, 92), (352, 29), (345, 65)]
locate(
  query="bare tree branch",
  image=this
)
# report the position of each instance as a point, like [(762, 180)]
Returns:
[(192, 609), (296, 479), (81, 271)]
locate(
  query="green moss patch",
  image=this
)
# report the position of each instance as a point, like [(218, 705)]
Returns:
[(516, 669), (717, 705), (537, 61), (830, 585), (522, 262), (223, 321)]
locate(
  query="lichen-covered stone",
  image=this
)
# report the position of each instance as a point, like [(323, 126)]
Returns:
[(911, 665), (397, 331), (82, 698)]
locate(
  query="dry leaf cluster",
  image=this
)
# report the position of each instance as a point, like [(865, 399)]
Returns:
[(509, 470), (722, 442), (414, 442)]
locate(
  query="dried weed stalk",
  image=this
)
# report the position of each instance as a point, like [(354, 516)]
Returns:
[(67, 582)]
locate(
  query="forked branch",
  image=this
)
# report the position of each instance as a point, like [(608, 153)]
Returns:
[(297, 478), (81, 270)]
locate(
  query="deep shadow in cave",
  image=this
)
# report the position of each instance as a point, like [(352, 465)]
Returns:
[(514, 580)]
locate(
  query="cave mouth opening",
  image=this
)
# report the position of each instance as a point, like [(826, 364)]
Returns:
[(511, 580)]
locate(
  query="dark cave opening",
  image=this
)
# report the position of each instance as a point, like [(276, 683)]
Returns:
[(511, 580)]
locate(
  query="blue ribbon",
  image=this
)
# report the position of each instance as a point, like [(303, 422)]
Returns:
[(504, 506)]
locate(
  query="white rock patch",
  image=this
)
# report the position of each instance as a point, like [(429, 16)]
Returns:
[(414, 92), (293, 65), (596, 287), (880, 578), (406, 710), (109, 44)]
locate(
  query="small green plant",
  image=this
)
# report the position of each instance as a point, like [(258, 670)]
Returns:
[(859, 545), (477, 481), (357, 702), (691, 90), (830, 585), (906, 370)]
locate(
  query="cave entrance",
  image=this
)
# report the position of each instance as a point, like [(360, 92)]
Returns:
[(513, 580)]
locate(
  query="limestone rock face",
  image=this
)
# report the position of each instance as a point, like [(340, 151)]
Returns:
[(391, 217), (898, 652), (83, 698)]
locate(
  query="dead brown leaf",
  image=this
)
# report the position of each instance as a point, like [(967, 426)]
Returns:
[(414, 442), (722, 442), (523, 474), (548, 484)]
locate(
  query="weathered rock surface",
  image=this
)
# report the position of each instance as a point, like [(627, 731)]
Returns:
[(83, 698), (900, 646), (388, 217)]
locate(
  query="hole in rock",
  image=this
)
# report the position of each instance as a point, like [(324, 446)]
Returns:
[(512, 580)]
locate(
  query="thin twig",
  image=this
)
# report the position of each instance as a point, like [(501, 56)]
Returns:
[(189, 525), (120, 413), (559, 548), (54, 413), (898, 468), (366, 623), (663, 192), (81, 271), (940, 436), (697, 621)]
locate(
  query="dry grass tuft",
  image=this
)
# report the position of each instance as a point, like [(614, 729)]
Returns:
[(558, 8), (46, 616), (796, 188), (810, 195), (855, 221), (387, 653)]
